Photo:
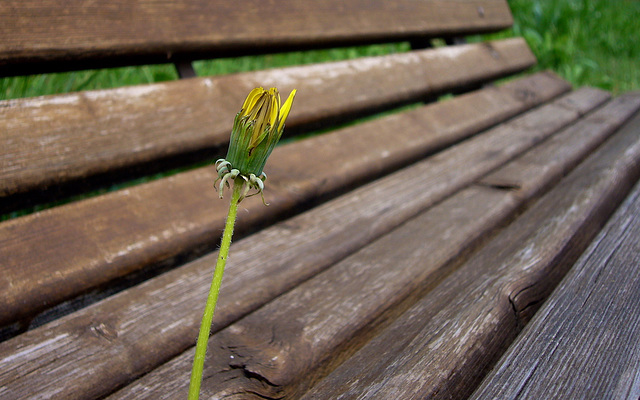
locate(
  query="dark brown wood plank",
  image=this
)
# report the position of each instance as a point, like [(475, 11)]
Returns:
[(443, 345), (55, 139), (160, 313), (583, 343), (267, 353), (58, 253), (46, 35)]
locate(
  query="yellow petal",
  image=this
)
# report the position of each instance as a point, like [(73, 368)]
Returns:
[(273, 117), (277, 96), (262, 114), (257, 106), (286, 107), (251, 100)]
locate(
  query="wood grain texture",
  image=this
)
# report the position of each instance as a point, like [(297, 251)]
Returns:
[(160, 313), (268, 352), (584, 342), (55, 139), (573, 142), (49, 35), (104, 365), (55, 254), (445, 343)]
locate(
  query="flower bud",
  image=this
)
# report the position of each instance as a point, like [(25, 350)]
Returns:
[(257, 129)]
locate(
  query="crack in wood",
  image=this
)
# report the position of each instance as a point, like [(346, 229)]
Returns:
[(500, 186)]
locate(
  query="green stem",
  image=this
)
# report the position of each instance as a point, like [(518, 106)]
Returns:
[(212, 299)]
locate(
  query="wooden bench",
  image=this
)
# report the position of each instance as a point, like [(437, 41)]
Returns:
[(400, 256)]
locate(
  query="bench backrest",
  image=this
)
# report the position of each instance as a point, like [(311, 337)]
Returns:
[(56, 140)]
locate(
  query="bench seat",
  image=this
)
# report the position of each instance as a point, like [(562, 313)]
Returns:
[(583, 343), (402, 255)]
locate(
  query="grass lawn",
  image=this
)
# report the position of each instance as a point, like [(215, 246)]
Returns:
[(588, 42)]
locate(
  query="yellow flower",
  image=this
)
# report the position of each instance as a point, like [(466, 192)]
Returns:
[(256, 130)]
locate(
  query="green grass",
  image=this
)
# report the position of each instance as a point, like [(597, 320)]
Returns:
[(38, 85), (588, 42)]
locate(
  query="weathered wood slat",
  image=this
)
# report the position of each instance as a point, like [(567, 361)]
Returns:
[(55, 139), (55, 254), (101, 347), (268, 352), (443, 345), (592, 131), (42, 36), (583, 343)]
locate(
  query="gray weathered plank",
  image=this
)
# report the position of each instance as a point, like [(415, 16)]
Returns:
[(75, 247), (54, 139), (584, 343), (100, 347), (443, 345), (43, 36)]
